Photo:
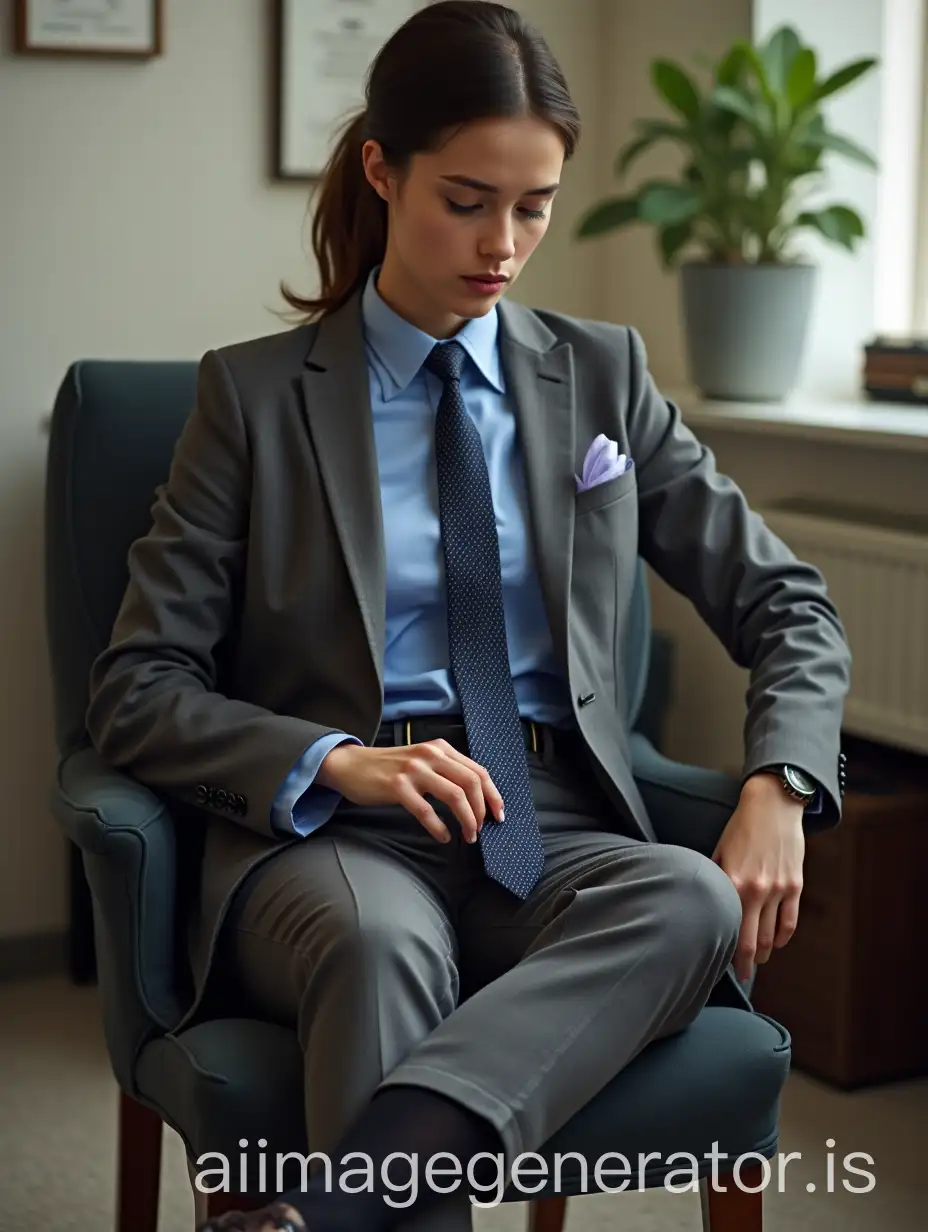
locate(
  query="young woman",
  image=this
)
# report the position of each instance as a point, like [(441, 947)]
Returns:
[(375, 636)]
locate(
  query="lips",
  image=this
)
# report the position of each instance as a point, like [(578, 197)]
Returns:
[(483, 284)]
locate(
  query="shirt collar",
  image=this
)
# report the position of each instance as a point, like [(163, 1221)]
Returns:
[(402, 348)]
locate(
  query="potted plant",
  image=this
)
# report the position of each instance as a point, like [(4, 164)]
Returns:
[(754, 144)]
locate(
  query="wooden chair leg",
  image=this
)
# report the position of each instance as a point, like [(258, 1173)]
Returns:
[(221, 1203), (547, 1215), (734, 1210), (138, 1167)]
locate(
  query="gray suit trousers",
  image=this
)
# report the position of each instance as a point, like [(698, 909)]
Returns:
[(398, 961)]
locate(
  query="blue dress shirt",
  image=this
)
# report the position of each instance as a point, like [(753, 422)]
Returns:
[(417, 680)]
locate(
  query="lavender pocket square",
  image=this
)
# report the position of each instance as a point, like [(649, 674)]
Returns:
[(603, 461)]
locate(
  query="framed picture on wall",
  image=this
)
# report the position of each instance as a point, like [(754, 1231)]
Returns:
[(323, 51), (130, 29)]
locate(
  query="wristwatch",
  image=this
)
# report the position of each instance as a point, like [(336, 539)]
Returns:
[(795, 783)]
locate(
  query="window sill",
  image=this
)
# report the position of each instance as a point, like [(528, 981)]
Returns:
[(885, 425)]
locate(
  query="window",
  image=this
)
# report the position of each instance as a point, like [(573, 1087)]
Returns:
[(920, 315)]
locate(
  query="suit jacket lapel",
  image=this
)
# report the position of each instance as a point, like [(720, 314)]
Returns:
[(540, 384), (539, 380), (337, 398)]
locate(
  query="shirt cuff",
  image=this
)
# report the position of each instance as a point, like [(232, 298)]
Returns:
[(301, 806)]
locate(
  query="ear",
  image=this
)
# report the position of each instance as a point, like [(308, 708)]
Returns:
[(376, 170)]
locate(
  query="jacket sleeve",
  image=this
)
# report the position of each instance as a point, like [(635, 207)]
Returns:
[(770, 610), (154, 710)]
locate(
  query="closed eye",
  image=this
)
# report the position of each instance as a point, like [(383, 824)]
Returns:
[(456, 208)]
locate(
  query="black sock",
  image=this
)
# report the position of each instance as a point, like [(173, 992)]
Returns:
[(415, 1121)]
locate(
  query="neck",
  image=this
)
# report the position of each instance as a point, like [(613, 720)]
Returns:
[(408, 302)]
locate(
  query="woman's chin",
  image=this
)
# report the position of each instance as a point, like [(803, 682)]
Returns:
[(472, 302)]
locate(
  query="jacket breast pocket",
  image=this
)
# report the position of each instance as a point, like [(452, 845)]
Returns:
[(607, 493), (602, 579)]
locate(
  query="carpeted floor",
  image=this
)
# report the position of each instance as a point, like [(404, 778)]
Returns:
[(58, 1126)]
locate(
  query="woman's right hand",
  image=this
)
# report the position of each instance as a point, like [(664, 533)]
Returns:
[(405, 773)]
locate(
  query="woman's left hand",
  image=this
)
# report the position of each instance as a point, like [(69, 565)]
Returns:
[(761, 850)]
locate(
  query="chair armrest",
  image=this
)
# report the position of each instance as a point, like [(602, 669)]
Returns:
[(689, 806), (128, 841)]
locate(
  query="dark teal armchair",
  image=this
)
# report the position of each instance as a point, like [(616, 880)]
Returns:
[(223, 1078)]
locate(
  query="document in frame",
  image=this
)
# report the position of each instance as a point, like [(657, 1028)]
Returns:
[(326, 49)]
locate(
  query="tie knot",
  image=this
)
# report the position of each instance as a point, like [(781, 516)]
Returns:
[(446, 360)]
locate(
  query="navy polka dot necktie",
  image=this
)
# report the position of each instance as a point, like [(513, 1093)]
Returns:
[(513, 851)]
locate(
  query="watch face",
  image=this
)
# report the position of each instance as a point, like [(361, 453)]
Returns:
[(799, 780)]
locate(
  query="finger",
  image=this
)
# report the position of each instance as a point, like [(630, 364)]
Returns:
[(414, 803), (490, 791), (463, 771), (435, 783), (789, 917), (747, 940), (767, 928)]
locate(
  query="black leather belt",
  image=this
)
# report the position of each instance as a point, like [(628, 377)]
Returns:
[(541, 738)]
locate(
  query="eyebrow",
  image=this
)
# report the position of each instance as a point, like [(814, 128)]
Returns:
[(466, 182)]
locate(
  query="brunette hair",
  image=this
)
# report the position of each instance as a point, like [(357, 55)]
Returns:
[(451, 63)]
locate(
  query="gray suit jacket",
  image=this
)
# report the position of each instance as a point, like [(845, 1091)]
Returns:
[(253, 622)]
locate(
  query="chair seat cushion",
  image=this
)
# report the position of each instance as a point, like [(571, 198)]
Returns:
[(715, 1086)]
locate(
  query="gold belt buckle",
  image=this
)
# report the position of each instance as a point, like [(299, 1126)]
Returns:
[(534, 735), (409, 731)]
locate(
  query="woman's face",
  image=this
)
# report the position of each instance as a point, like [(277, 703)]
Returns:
[(478, 206)]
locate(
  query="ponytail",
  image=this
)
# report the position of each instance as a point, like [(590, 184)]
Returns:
[(349, 231)]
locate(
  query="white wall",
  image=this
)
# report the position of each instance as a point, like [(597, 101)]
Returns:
[(137, 221)]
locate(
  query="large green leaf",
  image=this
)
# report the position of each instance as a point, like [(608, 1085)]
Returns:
[(810, 127), (842, 78), (676, 87), (778, 54), (753, 58), (839, 145), (630, 152), (837, 223), (608, 215), (739, 102), (801, 80), (797, 160), (666, 204), (651, 131), (731, 67), (672, 239)]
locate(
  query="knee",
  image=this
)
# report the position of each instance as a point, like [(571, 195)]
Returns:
[(378, 943), (707, 906)]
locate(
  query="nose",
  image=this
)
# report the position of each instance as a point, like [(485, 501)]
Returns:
[(497, 242)]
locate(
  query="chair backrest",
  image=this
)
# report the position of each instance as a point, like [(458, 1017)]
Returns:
[(113, 433)]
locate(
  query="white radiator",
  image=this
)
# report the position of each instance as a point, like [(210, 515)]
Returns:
[(876, 569)]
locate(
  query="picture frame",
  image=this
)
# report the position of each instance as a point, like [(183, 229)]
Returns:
[(109, 29), (322, 50)]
